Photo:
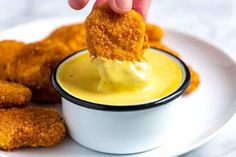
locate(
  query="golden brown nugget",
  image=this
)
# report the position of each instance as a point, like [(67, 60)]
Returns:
[(115, 36), (13, 94), (154, 32), (34, 65), (8, 49), (194, 82), (73, 36), (30, 127)]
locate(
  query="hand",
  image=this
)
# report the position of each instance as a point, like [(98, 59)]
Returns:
[(118, 6)]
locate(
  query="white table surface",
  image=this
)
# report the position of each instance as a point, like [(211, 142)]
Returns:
[(214, 20)]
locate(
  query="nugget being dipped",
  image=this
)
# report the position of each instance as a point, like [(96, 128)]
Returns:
[(116, 44), (13, 94), (30, 127)]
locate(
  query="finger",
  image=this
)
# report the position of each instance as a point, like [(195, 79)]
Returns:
[(142, 6), (99, 3), (77, 4), (120, 6)]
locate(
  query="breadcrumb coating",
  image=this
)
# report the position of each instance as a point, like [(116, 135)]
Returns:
[(72, 36), (30, 127), (34, 65), (115, 36), (8, 49), (13, 94)]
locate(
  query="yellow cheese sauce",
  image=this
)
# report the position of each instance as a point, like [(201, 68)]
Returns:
[(123, 75), (100, 81)]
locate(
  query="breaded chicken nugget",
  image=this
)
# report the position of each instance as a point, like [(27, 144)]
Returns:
[(154, 32), (34, 65), (8, 49), (116, 36), (13, 94), (73, 36), (194, 82), (30, 127)]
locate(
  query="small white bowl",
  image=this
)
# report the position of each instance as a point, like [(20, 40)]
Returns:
[(121, 129)]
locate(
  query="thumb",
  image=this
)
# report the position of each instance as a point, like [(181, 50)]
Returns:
[(120, 6), (142, 6)]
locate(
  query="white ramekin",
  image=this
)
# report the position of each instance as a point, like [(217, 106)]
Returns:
[(121, 129)]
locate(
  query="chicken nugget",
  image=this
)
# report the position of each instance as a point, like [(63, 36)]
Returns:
[(114, 36), (30, 127), (34, 65), (8, 49), (154, 32), (13, 94), (73, 36), (194, 82)]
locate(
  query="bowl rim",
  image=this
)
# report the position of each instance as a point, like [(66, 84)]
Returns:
[(97, 106)]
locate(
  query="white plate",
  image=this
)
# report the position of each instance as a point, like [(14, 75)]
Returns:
[(203, 113)]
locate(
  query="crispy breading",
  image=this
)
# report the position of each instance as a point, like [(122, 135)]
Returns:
[(13, 94), (154, 32), (34, 65), (194, 82), (73, 36), (30, 127), (8, 49), (46, 95), (160, 45), (115, 36)]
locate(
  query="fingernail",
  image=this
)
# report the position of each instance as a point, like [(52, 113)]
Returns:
[(75, 4)]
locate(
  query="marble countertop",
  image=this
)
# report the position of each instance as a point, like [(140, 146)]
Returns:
[(214, 20)]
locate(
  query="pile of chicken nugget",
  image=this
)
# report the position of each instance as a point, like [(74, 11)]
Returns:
[(25, 72)]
